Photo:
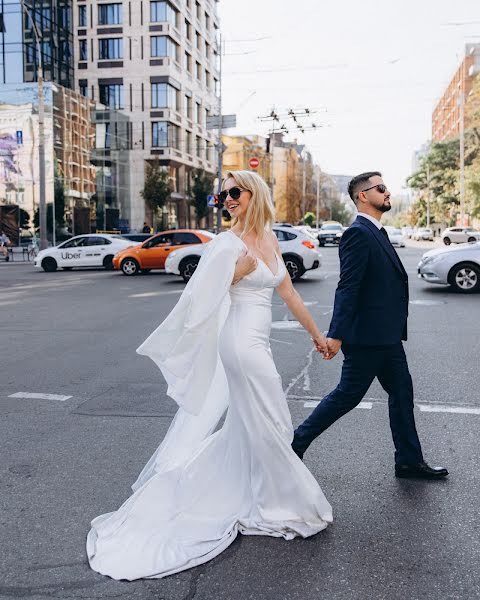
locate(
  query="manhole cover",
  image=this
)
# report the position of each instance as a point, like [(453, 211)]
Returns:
[(286, 325), (428, 302)]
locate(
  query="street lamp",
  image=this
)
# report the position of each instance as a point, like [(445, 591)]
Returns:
[(42, 209)]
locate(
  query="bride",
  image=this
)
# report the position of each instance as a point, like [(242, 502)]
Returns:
[(205, 483)]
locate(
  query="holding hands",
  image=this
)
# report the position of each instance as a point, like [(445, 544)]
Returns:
[(328, 347)]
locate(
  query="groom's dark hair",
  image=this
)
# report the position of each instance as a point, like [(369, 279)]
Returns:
[(358, 182)]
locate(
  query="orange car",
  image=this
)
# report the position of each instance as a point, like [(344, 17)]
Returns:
[(154, 251)]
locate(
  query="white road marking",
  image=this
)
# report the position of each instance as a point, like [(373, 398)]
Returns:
[(35, 396), (303, 373), (150, 294), (366, 405), (460, 410)]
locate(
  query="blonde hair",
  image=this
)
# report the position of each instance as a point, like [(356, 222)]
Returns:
[(260, 212)]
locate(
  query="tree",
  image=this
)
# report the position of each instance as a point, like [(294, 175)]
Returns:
[(202, 186), (309, 218), (157, 187), (341, 213), (24, 219)]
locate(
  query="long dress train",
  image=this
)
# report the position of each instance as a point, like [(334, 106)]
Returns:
[(201, 488)]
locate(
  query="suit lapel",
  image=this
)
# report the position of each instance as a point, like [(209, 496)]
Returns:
[(384, 243)]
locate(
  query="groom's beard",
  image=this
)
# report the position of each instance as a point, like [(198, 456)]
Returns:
[(385, 207)]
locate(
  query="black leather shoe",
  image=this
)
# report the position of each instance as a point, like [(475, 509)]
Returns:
[(420, 471)]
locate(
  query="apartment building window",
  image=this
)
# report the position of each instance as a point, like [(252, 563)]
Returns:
[(82, 16), (207, 22), (64, 17), (216, 87), (187, 62), (198, 71), (187, 107), (83, 49), (188, 142), (111, 95), (198, 41), (110, 48), (164, 135), (83, 89), (198, 113), (163, 12), (164, 96), (47, 53), (188, 30), (161, 45), (110, 14), (198, 12), (200, 144), (29, 53)]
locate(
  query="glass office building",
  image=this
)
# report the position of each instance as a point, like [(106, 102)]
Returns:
[(21, 52)]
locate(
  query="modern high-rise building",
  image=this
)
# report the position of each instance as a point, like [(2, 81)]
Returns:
[(20, 54), (156, 61), (447, 113)]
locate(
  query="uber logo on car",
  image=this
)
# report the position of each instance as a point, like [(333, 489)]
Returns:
[(68, 255)]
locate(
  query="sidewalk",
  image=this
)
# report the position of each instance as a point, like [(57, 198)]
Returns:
[(437, 243)]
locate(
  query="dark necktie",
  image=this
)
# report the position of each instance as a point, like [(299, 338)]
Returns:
[(384, 231)]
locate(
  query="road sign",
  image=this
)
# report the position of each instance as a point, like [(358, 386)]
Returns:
[(19, 136), (211, 200), (253, 162)]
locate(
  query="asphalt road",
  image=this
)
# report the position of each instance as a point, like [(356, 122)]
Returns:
[(66, 461)]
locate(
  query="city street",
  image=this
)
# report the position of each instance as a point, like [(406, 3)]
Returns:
[(72, 456)]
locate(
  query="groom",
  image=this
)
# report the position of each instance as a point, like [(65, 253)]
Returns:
[(369, 323)]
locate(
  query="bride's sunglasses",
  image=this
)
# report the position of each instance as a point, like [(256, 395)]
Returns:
[(381, 187), (233, 192)]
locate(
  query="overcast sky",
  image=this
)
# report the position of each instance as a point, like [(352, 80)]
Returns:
[(372, 68)]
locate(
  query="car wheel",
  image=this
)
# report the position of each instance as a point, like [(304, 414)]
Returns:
[(49, 265), (130, 267), (294, 267), (108, 263), (465, 278), (447, 241), (187, 268), (146, 271), (472, 239), (67, 268)]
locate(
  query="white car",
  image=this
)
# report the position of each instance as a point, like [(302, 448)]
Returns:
[(88, 250), (460, 235), (459, 267), (298, 250), (423, 233), (407, 232), (395, 236)]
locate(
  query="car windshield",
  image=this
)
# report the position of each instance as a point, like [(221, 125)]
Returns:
[(331, 227), (207, 233)]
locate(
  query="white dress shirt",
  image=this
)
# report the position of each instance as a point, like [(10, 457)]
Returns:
[(372, 219)]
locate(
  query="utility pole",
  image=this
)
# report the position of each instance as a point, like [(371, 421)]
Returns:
[(42, 208), (317, 212), (462, 157), (428, 195), (220, 142), (304, 185)]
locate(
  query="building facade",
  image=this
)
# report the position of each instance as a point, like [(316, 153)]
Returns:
[(446, 118), (241, 148), (157, 62), (86, 163), (21, 55)]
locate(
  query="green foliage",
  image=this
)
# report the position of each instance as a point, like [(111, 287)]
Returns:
[(201, 187), (157, 187), (309, 218), (341, 213)]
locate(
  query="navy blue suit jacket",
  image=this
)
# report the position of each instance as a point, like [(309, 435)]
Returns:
[(371, 301)]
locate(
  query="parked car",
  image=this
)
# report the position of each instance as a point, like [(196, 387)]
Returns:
[(298, 250), (89, 250), (395, 236), (309, 231), (423, 233), (153, 252), (407, 232), (330, 233), (460, 235), (459, 267)]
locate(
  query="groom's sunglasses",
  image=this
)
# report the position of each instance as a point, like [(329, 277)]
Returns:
[(233, 192), (381, 187)]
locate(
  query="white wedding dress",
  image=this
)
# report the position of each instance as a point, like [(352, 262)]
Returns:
[(201, 488)]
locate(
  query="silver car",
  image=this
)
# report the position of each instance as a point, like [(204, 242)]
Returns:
[(459, 267)]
